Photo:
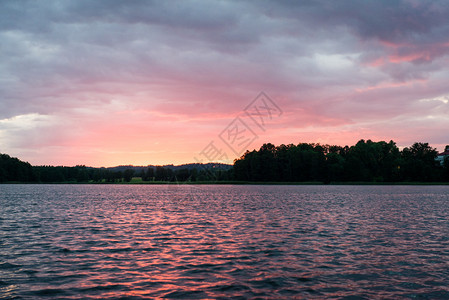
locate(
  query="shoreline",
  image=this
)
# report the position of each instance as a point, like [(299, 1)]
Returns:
[(234, 183)]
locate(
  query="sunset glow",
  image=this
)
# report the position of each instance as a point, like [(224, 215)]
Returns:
[(113, 83)]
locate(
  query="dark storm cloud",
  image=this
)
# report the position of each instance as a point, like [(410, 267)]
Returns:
[(120, 35), (393, 21)]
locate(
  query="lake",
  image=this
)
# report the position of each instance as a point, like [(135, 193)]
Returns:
[(222, 241)]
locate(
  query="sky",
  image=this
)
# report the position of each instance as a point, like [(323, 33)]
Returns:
[(105, 83)]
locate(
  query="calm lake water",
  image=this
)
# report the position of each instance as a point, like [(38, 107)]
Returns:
[(212, 241)]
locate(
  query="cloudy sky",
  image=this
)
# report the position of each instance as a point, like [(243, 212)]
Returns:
[(104, 83)]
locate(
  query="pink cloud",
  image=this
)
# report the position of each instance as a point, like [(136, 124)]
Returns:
[(104, 85)]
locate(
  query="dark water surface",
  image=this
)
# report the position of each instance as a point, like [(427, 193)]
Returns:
[(153, 241)]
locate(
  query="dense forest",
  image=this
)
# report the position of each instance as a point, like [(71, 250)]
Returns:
[(367, 161)]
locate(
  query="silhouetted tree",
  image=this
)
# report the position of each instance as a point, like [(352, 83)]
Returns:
[(13, 169), (143, 175), (128, 175), (160, 174), (419, 162), (182, 174), (150, 173)]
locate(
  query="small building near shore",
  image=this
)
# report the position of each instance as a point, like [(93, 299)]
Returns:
[(442, 156)]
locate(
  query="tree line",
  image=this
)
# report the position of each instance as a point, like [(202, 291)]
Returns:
[(367, 161), (15, 170)]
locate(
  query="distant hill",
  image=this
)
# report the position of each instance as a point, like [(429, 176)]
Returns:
[(197, 166)]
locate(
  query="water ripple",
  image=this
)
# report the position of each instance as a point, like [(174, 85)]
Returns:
[(212, 242)]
